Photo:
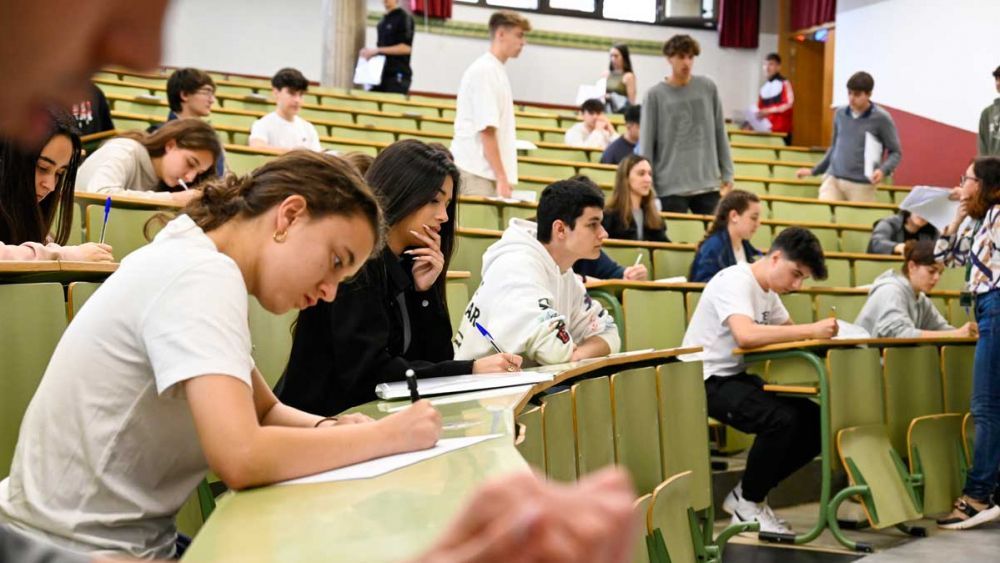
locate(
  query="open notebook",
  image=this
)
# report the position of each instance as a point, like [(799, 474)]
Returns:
[(461, 383)]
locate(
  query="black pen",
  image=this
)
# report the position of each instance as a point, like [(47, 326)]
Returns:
[(411, 382)]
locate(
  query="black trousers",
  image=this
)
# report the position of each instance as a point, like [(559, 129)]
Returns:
[(787, 429), (397, 83), (701, 204)]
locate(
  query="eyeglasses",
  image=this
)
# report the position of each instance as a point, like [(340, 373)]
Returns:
[(206, 91), (969, 178)]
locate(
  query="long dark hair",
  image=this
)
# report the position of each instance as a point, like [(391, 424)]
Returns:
[(22, 217), (190, 133), (406, 176), (621, 199), (736, 200), (626, 59)]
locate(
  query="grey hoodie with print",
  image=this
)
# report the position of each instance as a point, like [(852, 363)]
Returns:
[(894, 310)]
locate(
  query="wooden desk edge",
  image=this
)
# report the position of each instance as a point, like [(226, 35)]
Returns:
[(845, 343)]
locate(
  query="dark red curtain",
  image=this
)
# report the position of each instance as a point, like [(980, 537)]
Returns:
[(809, 13), (739, 23), (435, 8)]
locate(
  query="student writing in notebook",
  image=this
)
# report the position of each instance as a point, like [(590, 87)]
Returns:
[(153, 383), (393, 315), (153, 165), (36, 198)]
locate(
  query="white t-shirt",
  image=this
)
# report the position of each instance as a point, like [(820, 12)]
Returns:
[(120, 166), (107, 451), (741, 254), (733, 291), (280, 133), (485, 100)]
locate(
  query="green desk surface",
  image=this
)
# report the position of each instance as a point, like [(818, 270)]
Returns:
[(387, 518)]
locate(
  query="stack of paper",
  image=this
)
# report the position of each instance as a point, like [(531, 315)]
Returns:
[(932, 204), (369, 71), (461, 383)]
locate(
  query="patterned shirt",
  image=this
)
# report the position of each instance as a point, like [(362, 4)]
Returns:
[(975, 245)]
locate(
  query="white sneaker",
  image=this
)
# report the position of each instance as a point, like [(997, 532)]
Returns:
[(747, 511), (735, 497)]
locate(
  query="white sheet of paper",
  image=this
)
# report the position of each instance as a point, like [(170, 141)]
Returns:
[(525, 145), (675, 279), (369, 72), (873, 154), (850, 331), (460, 383), (932, 204), (593, 91), (524, 195), (383, 465), (749, 116)]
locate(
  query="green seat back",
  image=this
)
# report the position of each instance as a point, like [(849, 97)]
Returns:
[(532, 444), (468, 256), (479, 216), (244, 163), (855, 376), (601, 176), (669, 514), (800, 156), (956, 376), (653, 318), (848, 306), (406, 108), (691, 299), (437, 127), (668, 263), (828, 238), (575, 155), (271, 336), (759, 188), (865, 271), (34, 318), (363, 134), (508, 212), (560, 445), (125, 230), (936, 452), (395, 122), (968, 434), (877, 464), (77, 294), (758, 154), (859, 215), (529, 135), (800, 307), (312, 114), (912, 382), (793, 190), (685, 230), (595, 442), (233, 120), (753, 170), (814, 212), (838, 274), (787, 172), (549, 171), (952, 279), (636, 424), (457, 294), (854, 241), (680, 392)]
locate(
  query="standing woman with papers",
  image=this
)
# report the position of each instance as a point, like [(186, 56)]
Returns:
[(393, 316), (395, 42), (973, 241), (153, 383), (36, 199)]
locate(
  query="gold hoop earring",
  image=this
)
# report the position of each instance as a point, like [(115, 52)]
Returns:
[(280, 236)]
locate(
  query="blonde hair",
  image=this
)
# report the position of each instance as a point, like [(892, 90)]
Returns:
[(508, 18)]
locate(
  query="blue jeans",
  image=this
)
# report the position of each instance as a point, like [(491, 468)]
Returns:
[(982, 478)]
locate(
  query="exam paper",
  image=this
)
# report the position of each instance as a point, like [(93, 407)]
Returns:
[(369, 72), (383, 465), (931, 204), (593, 91), (460, 383), (850, 331), (873, 154), (749, 116)]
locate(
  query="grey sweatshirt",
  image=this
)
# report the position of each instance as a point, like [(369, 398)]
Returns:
[(683, 134), (894, 310), (846, 157), (891, 231), (989, 130)]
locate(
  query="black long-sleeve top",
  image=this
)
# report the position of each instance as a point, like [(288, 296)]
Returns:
[(342, 350)]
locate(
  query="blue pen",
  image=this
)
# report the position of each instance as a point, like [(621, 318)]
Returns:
[(107, 211), (488, 336)]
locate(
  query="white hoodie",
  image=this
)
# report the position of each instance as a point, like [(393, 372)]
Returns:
[(529, 306)]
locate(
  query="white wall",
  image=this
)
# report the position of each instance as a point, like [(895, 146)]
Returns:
[(933, 59), (261, 36)]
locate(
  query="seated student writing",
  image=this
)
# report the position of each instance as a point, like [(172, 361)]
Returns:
[(283, 130), (741, 308), (153, 165), (727, 241), (890, 234), (593, 130), (898, 306), (36, 199), (530, 299), (191, 93), (153, 383), (393, 315), (604, 267), (633, 212)]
